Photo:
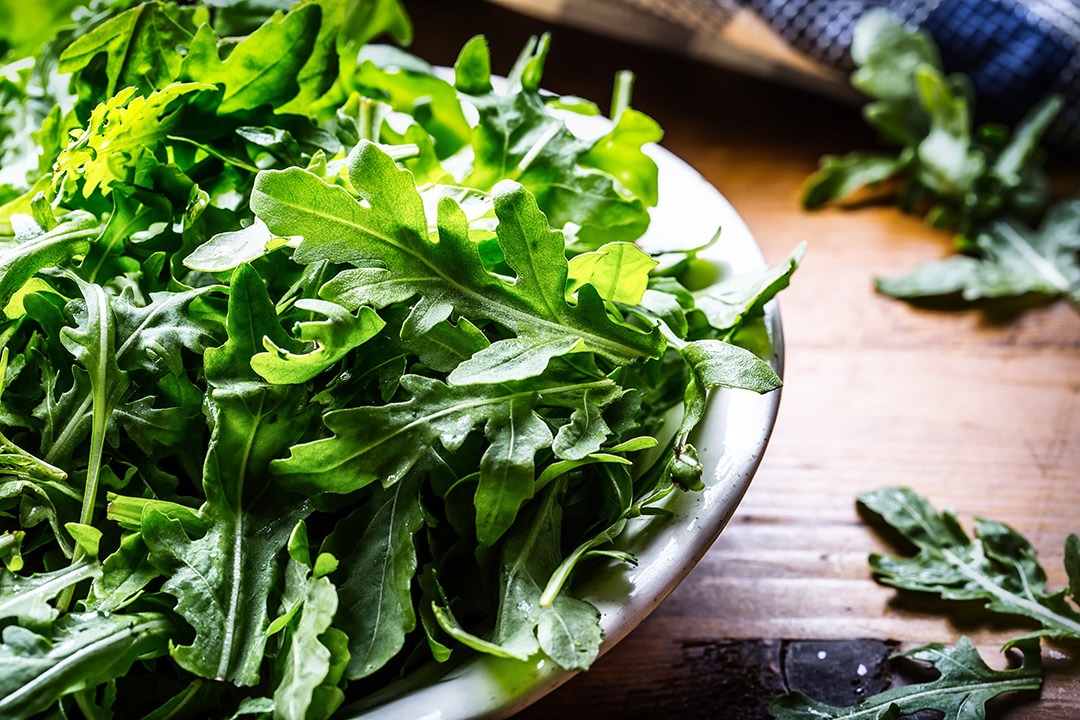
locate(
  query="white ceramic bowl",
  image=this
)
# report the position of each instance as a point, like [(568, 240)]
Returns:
[(731, 441)]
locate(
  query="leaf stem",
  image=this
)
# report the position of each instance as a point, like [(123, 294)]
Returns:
[(84, 699), (97, 435), (620, 96)]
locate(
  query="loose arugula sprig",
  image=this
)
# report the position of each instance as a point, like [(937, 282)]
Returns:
[(984, 182), (317, 364), (960, 692), (998, 567)]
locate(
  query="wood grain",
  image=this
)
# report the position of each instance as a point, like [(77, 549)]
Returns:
[(978, 408)]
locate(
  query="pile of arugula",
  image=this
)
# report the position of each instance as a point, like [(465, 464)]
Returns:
[(315, 365), (999, 568), (984, 182)]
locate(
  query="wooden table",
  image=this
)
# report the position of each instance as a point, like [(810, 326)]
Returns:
[(977, 408)]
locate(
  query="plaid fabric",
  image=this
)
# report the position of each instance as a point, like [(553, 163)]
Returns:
[(1015, 51)]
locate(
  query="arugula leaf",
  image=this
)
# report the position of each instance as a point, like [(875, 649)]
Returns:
[(26, 598), (82, 651), (728, 303), (20, 262), (842, 176), (119, 130), (37, 505), (93, 343), (1014, 260), (392, 227), (409, 85), (139, 44), (124, 576), (960, 693), (566, 629), (246, 526), (334, 338), (376, 601), (982, 181), (344, 26), (574, 181), (262, 68), (619, 272), (998, 567), (385, 442), (306, 661), (229, 250)]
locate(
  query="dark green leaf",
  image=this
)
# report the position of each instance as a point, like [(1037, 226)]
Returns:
[(378, 564), (1015, 260), (840, 177), (246, 528), (20, 262), (998, 567), (81, 652), (960, 693), (140, 46)]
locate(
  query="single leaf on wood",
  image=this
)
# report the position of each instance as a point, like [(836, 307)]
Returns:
[(1013, 260), (960, 693), (998, 566)]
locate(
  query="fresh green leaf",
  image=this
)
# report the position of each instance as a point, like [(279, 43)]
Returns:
[(20, 262), (376, 601), (26, 598), (81, 652), (840, 177), (120, 129), (981, 181), (1015, 260), (392, 226), (229, 250), (960, 693), (334, 338), (619, 272), (246, 526), (140, 46), (727, 303), (998, 567), (307, 660), (262, 68)]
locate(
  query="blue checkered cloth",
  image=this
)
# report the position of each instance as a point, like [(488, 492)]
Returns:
[(1016, 52)]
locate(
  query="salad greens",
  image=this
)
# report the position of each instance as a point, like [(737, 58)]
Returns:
[(961, 691), (985, 182), (999, 568), (318, 364)]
